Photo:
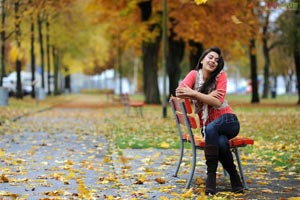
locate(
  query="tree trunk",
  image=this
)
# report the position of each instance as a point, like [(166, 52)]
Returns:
[(195, 53), (32, 61), (266, 70), (289, 81), (150, 58), (41, 42), (266, 52), (253, 63), (48, 57), (176, 53), (3, 73), (55, 55), (296, 52), (67, 80), (120, 67), (19, 92)]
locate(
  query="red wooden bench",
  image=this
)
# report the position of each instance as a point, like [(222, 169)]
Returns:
[(184, 117), (125, 99)]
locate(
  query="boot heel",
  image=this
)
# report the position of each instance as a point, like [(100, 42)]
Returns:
[(210, 184), (236, 184)]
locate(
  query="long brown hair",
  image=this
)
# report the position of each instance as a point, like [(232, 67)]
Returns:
[(210, 81)]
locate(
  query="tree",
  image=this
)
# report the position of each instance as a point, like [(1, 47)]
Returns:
[(40, 22), (32, 52), (119, 20), (268, 43), (175, 56), (266, 50), (206, 25), (296, 46), (17, 13), (150, 49), (253, 53), (288, 35), (3, 40)]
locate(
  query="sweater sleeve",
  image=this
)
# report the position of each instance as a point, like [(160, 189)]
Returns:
[(189, 79), (221, 86)]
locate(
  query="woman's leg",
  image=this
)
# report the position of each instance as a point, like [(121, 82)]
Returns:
[(226, 159), (228, 126), (211, 152)]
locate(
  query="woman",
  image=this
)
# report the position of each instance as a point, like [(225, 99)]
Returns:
[(206, 86)]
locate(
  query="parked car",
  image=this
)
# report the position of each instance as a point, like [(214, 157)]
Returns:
[(10, 82)]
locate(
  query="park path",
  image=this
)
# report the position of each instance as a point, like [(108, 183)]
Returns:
[(62, 153)]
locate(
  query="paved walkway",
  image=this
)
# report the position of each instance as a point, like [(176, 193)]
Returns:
[(62, 153)]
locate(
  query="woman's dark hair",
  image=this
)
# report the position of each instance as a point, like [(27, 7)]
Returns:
[(210, 81)]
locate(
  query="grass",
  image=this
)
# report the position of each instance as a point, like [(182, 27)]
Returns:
[(273, 124), (19, 107)]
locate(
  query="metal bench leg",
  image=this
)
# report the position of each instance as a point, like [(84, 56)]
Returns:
[(128, 110), (237, 155), (141, 111), (180, 158), (189, 180)]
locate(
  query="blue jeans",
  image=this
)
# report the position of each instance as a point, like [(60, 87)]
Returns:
[(219, 131)]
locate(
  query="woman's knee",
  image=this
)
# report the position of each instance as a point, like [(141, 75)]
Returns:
[(223, 143)]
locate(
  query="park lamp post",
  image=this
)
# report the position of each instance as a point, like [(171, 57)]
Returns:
[(164, 47)]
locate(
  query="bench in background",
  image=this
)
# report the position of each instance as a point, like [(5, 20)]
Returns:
[(137, 105)]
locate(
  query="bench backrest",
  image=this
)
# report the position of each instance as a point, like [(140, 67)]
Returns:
[(183, 115), (182, 109), (125, 98)]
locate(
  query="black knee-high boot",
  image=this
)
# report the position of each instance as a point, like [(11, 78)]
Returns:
[(211, 154), (226, 159)]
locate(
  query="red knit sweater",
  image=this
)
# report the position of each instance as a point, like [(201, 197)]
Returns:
[(221, 86)]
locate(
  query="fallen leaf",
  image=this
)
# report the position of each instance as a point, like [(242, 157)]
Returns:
[(188, 194), (3, 179), (268, 191), (164, 145), (160, 180), (199, 180), (235, 19)]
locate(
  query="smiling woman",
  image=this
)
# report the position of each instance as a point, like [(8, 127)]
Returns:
[(206, 86)]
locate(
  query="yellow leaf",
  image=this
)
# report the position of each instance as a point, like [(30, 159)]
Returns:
[(1, 153), (3, 179), (164, 145), (199, 181), (160, 180), (278, 169), (198, 2), (123, 160), (188, 194), (107, 159), (82, 191), (163, 198), (141, 180), (9, 194), (267, 191), (71, 174), (110, 197), (262, 183), (235, 19)]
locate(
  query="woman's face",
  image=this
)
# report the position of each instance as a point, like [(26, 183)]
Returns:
[(210, 61)]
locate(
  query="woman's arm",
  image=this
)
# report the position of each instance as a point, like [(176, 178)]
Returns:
[(210, 99), (215, 98)]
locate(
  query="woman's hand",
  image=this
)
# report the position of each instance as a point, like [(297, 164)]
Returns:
[(185, 92), (216, 94)]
